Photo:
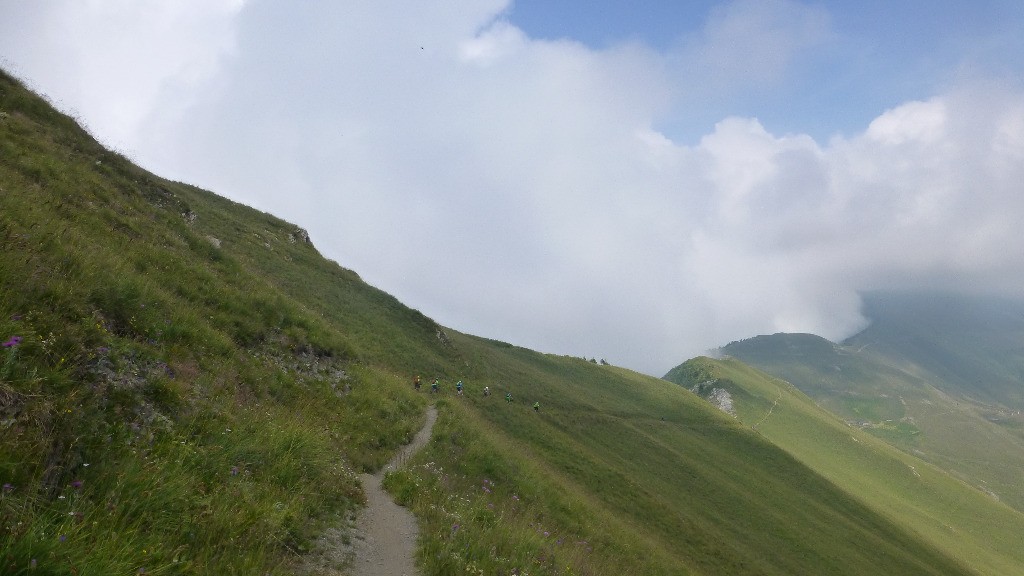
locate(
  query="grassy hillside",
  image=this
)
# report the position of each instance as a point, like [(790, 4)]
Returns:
[(166, 404), (911, 493), (902, 402), (635, 477), (188, 387)]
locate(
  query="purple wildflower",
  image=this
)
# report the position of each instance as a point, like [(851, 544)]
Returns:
[(13, 341), (15, 317), (8, 487), (234, 470), (455, 528), (76, 484), (62, 538), (486, 489), (546, 533)]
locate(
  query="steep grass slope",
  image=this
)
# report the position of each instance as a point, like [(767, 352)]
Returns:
[(166, 404), (974, 527), (619, 473), (188, 387)]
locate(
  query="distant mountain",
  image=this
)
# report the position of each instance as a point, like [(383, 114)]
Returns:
[(900, 486), (967, 346), (935, 375)]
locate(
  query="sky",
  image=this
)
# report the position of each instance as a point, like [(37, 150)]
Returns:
[(636, 181)]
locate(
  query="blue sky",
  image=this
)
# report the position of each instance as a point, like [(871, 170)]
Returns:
[(876, 52), (639, 182)]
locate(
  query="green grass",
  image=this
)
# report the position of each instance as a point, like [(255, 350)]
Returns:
[(905, 403), (170, 407), (971, 526), (650, 478)]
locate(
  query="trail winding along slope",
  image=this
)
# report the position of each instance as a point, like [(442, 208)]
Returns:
[(389, 531)]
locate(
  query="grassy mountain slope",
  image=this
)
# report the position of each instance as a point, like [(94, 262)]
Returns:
[(902, 403), (188, 387), (639, 470), (166, 405), (920, 497)]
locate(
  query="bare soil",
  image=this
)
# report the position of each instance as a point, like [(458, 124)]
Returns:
[(381, 540), (387, 532)]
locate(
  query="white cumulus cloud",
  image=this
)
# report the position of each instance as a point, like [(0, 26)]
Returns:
[(523, 190)]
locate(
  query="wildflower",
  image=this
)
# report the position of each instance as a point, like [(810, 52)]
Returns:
[(62, 538), (486, 489), (234, 470), (76, 484), (515, 497), (15, 317), (8, 487), (546, 533), (13, 341), (455, 528)]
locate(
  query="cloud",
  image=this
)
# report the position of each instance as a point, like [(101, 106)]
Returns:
[(110, 61), (755, 42), (522, 190)]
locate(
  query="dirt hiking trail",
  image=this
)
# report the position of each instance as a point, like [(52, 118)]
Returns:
[(387, 532)]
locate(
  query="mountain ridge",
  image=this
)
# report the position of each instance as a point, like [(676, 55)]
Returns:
[(886, 380)]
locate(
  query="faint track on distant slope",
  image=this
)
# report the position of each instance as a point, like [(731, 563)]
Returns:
[(769, 413)]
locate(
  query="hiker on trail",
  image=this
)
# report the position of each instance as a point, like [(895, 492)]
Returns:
[(433, 387), (508, 397), (458, 387), (416, 383), (487, 390), (536, 406)]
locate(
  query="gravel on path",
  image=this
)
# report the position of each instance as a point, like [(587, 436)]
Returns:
[(386, 532)]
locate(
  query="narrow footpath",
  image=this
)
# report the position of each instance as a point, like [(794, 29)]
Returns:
[(388, 532)]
